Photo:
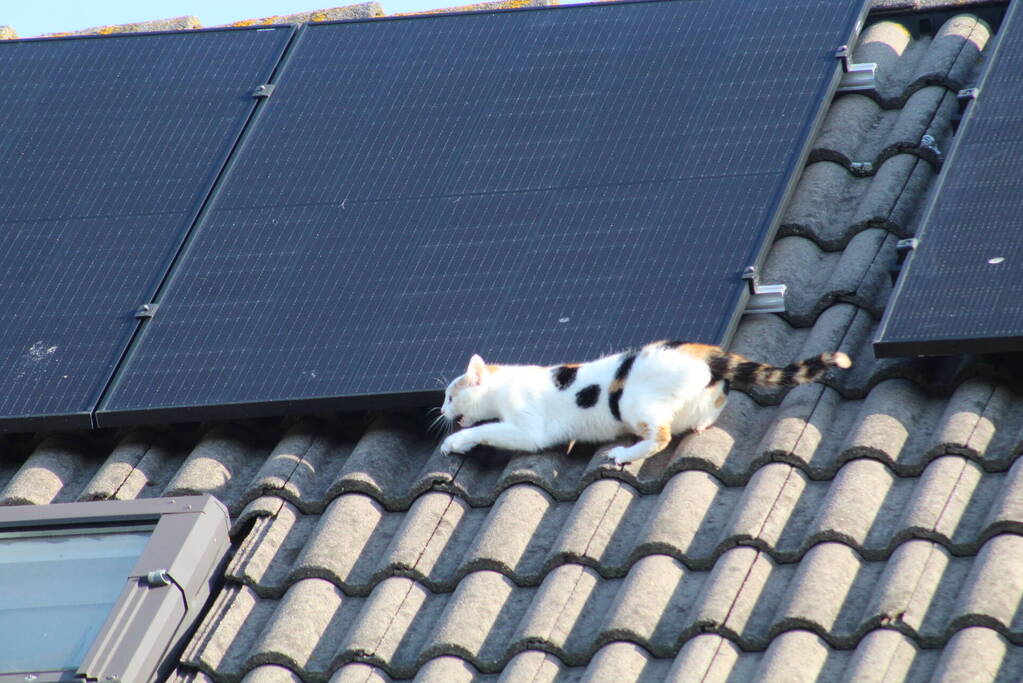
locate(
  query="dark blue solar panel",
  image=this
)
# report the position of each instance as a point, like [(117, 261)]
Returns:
[(537, 186), (108, 146), (961, 290)]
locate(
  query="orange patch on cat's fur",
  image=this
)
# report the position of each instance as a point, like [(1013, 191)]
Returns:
[(702, 351), (616, 385), (493, 368), (720, 401)]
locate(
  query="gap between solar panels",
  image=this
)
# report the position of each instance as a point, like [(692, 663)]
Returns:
[(538, 185)]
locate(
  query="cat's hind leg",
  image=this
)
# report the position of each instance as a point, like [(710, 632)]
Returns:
[(654, 438)]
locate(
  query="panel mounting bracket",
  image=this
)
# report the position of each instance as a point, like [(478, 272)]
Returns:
[(146, 311), (902, 249), (263, 91), (964, 97), (763, 298), (855, 77)]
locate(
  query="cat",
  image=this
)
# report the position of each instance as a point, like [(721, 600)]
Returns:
[(665, 388)]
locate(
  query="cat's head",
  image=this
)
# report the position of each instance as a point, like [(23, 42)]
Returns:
[(463, 398)]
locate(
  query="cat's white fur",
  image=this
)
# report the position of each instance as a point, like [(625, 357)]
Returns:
[(666, 393)]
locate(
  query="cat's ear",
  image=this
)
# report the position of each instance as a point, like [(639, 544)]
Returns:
[(477, 371)]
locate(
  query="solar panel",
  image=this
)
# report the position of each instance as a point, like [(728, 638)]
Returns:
[(961, 288), (537, 186), (108, 146)]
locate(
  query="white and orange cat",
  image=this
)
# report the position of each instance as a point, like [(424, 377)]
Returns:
[(665, 388)]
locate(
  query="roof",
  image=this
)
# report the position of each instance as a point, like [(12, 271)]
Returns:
[(867, 528)]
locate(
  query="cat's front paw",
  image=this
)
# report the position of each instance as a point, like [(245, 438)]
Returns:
[(457, 443), (620, 455)]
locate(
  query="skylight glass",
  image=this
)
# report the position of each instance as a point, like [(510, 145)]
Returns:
[(56, 589)]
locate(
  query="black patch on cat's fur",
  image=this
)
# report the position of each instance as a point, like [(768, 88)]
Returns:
[(625, 367), (746, 372), (563, 376), (674, 344), (587, 397), (788, 375), (614, 395), (719, 366), (814, 366), (612, 401)]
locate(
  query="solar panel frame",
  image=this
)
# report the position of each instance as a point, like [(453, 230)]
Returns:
[(117, 410), (942, 300), (86, 245)]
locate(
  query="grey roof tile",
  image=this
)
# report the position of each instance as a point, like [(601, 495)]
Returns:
[(271, 673), (222, 464), (621, 661), (448, 668), (979, 653), (56, 471), (140, 466)]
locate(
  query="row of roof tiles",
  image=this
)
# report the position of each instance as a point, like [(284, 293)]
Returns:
[(974, 653), (922, 592), (524, 535)]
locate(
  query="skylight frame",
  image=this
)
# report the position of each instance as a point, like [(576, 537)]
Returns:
[(164, 593)]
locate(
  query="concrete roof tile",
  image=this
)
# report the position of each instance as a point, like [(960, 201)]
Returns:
[(349, 544), (992, 594), (224, 638), (712, 658), (448, 668), (383, 633), (652, 605), (301, 466), (140, 466), (269, 549), (888, 655), (689, 520), (797, 656), (55, 472), (222, 464), (978, 653), (271, 673), (480, 620), (539, 667), (1006, 511), (621, 661), (828, 594), (311, 613), (518, 533), (602, 526)]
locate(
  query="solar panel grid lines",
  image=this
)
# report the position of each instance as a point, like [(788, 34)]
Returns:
[(109, 146), (960, 289), (535, 185)]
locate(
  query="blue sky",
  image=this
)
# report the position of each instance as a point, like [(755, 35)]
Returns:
[(30, 18)]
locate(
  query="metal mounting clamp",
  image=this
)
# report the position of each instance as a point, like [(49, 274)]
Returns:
[(963, 97), (264, 90), (855, 77), (146, 311), (763, 298)]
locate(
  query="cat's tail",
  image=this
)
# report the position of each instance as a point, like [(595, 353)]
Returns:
[(735, 368)]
